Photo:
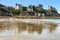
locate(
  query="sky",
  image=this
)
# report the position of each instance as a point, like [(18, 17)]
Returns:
[(45, 3)]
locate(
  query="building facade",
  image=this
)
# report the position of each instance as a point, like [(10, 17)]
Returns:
[(18, 7), (30, 10), (40, 6), (50, 8)]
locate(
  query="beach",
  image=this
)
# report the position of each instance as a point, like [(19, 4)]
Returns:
[(31, 30)]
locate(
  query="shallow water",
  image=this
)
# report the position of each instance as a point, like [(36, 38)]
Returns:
[(29, 31)]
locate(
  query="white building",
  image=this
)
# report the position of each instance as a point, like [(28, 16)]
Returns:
[(30, 8), (49, 8), (18, 7)]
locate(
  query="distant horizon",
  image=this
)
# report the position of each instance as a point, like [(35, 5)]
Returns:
[(45, 3)]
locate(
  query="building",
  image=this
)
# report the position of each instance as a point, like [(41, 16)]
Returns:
[(40, 10), (52, 11), (18, 7), (40, 6), (30, 10), (49, 8)]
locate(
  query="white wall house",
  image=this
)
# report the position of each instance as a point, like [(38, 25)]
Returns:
[(30, 8), (18, 7)]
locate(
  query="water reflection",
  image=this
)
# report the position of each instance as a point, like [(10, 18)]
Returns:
[(34, 28), (4, 26), (29, 27), (51, 28)]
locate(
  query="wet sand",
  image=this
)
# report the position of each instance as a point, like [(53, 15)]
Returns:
[(16, 37), (35, 21)]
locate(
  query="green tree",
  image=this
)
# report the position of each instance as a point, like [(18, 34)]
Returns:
[(34, 8), (40, 11), (24, 8), (54, 10), (17, 12)]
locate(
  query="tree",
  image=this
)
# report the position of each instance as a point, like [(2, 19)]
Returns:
[(0, 11), (34, 8), (17, 12), (40, 11), (54, 10), (24, 8)]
